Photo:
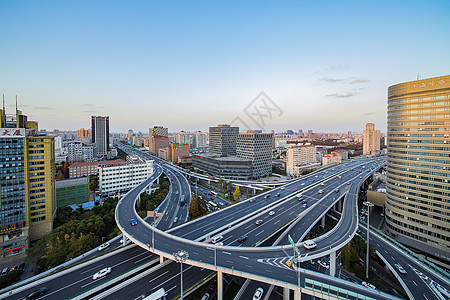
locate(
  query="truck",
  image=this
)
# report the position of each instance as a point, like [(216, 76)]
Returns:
[(182, 201)]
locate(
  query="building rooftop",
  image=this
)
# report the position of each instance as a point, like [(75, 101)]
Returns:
[(221, 158), (93, 163), (69, 182)]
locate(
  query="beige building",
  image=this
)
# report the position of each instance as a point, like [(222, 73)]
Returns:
[(371, 140), (299, 156), (333, 157), (175, 151), (418, 165)]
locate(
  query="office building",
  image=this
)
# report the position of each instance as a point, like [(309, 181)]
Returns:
[(81, 152), (100, 134), (58, 143), (222, 139), (119, 178), (418, 165), (82, 169), (158, 139), (27, 183), (256, 147), (299, 157), (176, 151), (72, 191), (183, 138), (230, 167), (371, 140)]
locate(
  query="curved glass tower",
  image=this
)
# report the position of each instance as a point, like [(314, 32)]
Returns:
[(418, 165)]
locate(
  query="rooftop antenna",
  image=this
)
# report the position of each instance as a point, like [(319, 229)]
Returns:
[(418, 76), (3, 102), (16, 102)]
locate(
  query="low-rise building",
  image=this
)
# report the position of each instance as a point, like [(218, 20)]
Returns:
[(332, 157), (81, 152), (80, 169), (118, 178), (230, 167), (72, 191)]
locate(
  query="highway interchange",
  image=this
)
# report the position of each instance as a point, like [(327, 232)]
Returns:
[(232, 222)]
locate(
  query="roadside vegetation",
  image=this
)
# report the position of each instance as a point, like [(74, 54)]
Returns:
[(150, 202)]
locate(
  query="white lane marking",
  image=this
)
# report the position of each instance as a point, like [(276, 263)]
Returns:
[(226, 252), (91, 269), (243, 257), (176, 275), (415, 283), (249, 226), (259, 233), (171, 288), (268, 271), (229, 261), (425, 297), (196, 253), (138, 261), (159, 276), (277, 222), (248, 266)]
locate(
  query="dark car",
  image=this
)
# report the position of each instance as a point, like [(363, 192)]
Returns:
[(242, 238), (39, 292)]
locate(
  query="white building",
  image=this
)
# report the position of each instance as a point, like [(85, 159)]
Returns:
[(200, 139), (119, 178), (298, 157), (81, 152), (256, 147), (58, 143), (183, 138)]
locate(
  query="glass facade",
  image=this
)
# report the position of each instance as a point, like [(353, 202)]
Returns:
[(12, 183), (418, 164)]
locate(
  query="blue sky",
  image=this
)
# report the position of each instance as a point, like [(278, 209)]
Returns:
[(193, 64)]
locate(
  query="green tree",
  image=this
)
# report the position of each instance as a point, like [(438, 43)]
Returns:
[(349, 257), (93, 182), (66, 169)]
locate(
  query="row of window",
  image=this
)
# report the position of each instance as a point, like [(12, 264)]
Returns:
[(404, 145), (436, 154), (423, 99), (416, 229), (441, 116), (425, 212), (412, 173)]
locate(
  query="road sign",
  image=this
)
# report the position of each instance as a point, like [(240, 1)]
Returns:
[(293, 245), (152, 214)]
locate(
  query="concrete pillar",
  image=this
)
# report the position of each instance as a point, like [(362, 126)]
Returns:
[(340, 205), (323, 221), (161, 259), (157, 180), (297, 294), (333, 263), (286, 293), (219, 285)]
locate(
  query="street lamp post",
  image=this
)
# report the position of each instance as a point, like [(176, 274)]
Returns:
[(369, 205), (180, 257)]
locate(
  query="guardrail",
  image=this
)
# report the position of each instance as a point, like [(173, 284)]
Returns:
[(429, 265)]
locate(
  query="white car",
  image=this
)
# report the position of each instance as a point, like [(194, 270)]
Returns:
[(219, 244), (216, 239), (282, 187), (400, 268), (320, 192), (103, 246), (271, 213), (101, 273), (369, 285), (258, 294), (309, 244)]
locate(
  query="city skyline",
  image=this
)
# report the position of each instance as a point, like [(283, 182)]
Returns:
[(326, 66)]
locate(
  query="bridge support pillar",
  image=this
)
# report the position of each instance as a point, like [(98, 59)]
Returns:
[(333, 263), (297, 294), (161, 259), (219, 285), (340, 205), (157, 180), (286, 293), (323, 221)]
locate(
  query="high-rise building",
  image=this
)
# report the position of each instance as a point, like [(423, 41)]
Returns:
[(100, 134), (418, 165), (175, 151), (183, 138), (200, 139), (27, 183), (299, 156), (371, 140), (222, 139), (158, 138), (256, 147), (81, 152)]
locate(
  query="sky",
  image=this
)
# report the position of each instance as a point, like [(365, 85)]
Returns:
[(188, 65)]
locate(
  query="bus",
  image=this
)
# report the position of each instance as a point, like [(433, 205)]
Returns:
[(215, 194), (156, 295), (182, 202), (212, 204)]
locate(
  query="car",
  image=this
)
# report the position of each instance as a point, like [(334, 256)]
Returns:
[(400, 269), (216, 239), (258, 294), (278, 195), (22, 266), (14, 268), (133, 222), (271, 213), (322, 184), (258, 222), (266, 196), (205, 296), (252, 200), (320, 191), (5, 271), (242, 238), (36, 293), (219, 244), (303, 202), (177, 192), (336, 190), (309, 244), (103, 246), (299, 196), (305, 205), (175, 220), (295, 190), (121, 240), (302, 183), (101, 273), (282, 188), (348, 182), (366, 284)]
